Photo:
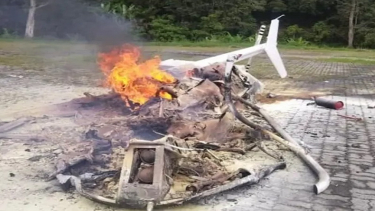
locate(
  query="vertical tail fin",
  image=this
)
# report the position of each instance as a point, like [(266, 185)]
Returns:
[(271, 48)]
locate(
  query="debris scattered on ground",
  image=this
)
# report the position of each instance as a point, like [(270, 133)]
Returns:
[(270, 95), (356, 145), (201, 146), (332, 104), (311, 103), (14, 124), (166, 142), (25, 137), (16, 76), (351, 117), (35, 158), (282, 96)]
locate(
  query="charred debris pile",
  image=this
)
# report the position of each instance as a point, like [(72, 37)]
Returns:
[(161, 138)]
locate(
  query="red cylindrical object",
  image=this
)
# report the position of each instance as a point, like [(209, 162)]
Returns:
[(329, 103)]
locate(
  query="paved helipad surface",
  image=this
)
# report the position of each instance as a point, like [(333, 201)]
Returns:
[(344, 147)]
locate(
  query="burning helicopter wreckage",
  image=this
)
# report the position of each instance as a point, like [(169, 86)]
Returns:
[(167, 137)]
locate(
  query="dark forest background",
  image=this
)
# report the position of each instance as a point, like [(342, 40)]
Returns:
[(348, 23)]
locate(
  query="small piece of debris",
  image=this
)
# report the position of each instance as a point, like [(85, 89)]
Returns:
[(313, 134), (16, 76), (12, 175), (351, 117), (231, 198), (35, 158), (371, 107), (356, 145), (270, 95), (27, 150), (57, 151)]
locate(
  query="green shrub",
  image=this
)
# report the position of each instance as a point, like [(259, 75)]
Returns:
[(369, 41), (321, 32), (251, 39), (6, 34), (228, 38), (293, 31), (300, 42), (163, 29)]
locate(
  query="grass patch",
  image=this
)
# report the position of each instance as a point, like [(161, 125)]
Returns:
[(39, 43), (22, 61), (363, 61), (248, 44), (36, 54), (200, 44)]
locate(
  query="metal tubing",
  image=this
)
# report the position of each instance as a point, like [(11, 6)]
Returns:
[(248, 180), (228, 92), (324, 179)]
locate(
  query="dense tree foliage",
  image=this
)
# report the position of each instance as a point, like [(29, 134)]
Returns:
[(334, 22), (329, 22)]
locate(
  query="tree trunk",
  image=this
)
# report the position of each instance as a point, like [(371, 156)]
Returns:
[(351, 23), (30, 24)]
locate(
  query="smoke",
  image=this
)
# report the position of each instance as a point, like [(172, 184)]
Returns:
[(78, 20), (69, 33)]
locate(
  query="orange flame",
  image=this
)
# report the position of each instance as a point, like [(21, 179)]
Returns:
[(134, 80)]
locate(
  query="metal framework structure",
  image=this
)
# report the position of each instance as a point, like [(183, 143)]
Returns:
[(130, 193), (270, 48)]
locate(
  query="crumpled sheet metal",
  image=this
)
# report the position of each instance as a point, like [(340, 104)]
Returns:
[(77, 183), (252, 178)]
